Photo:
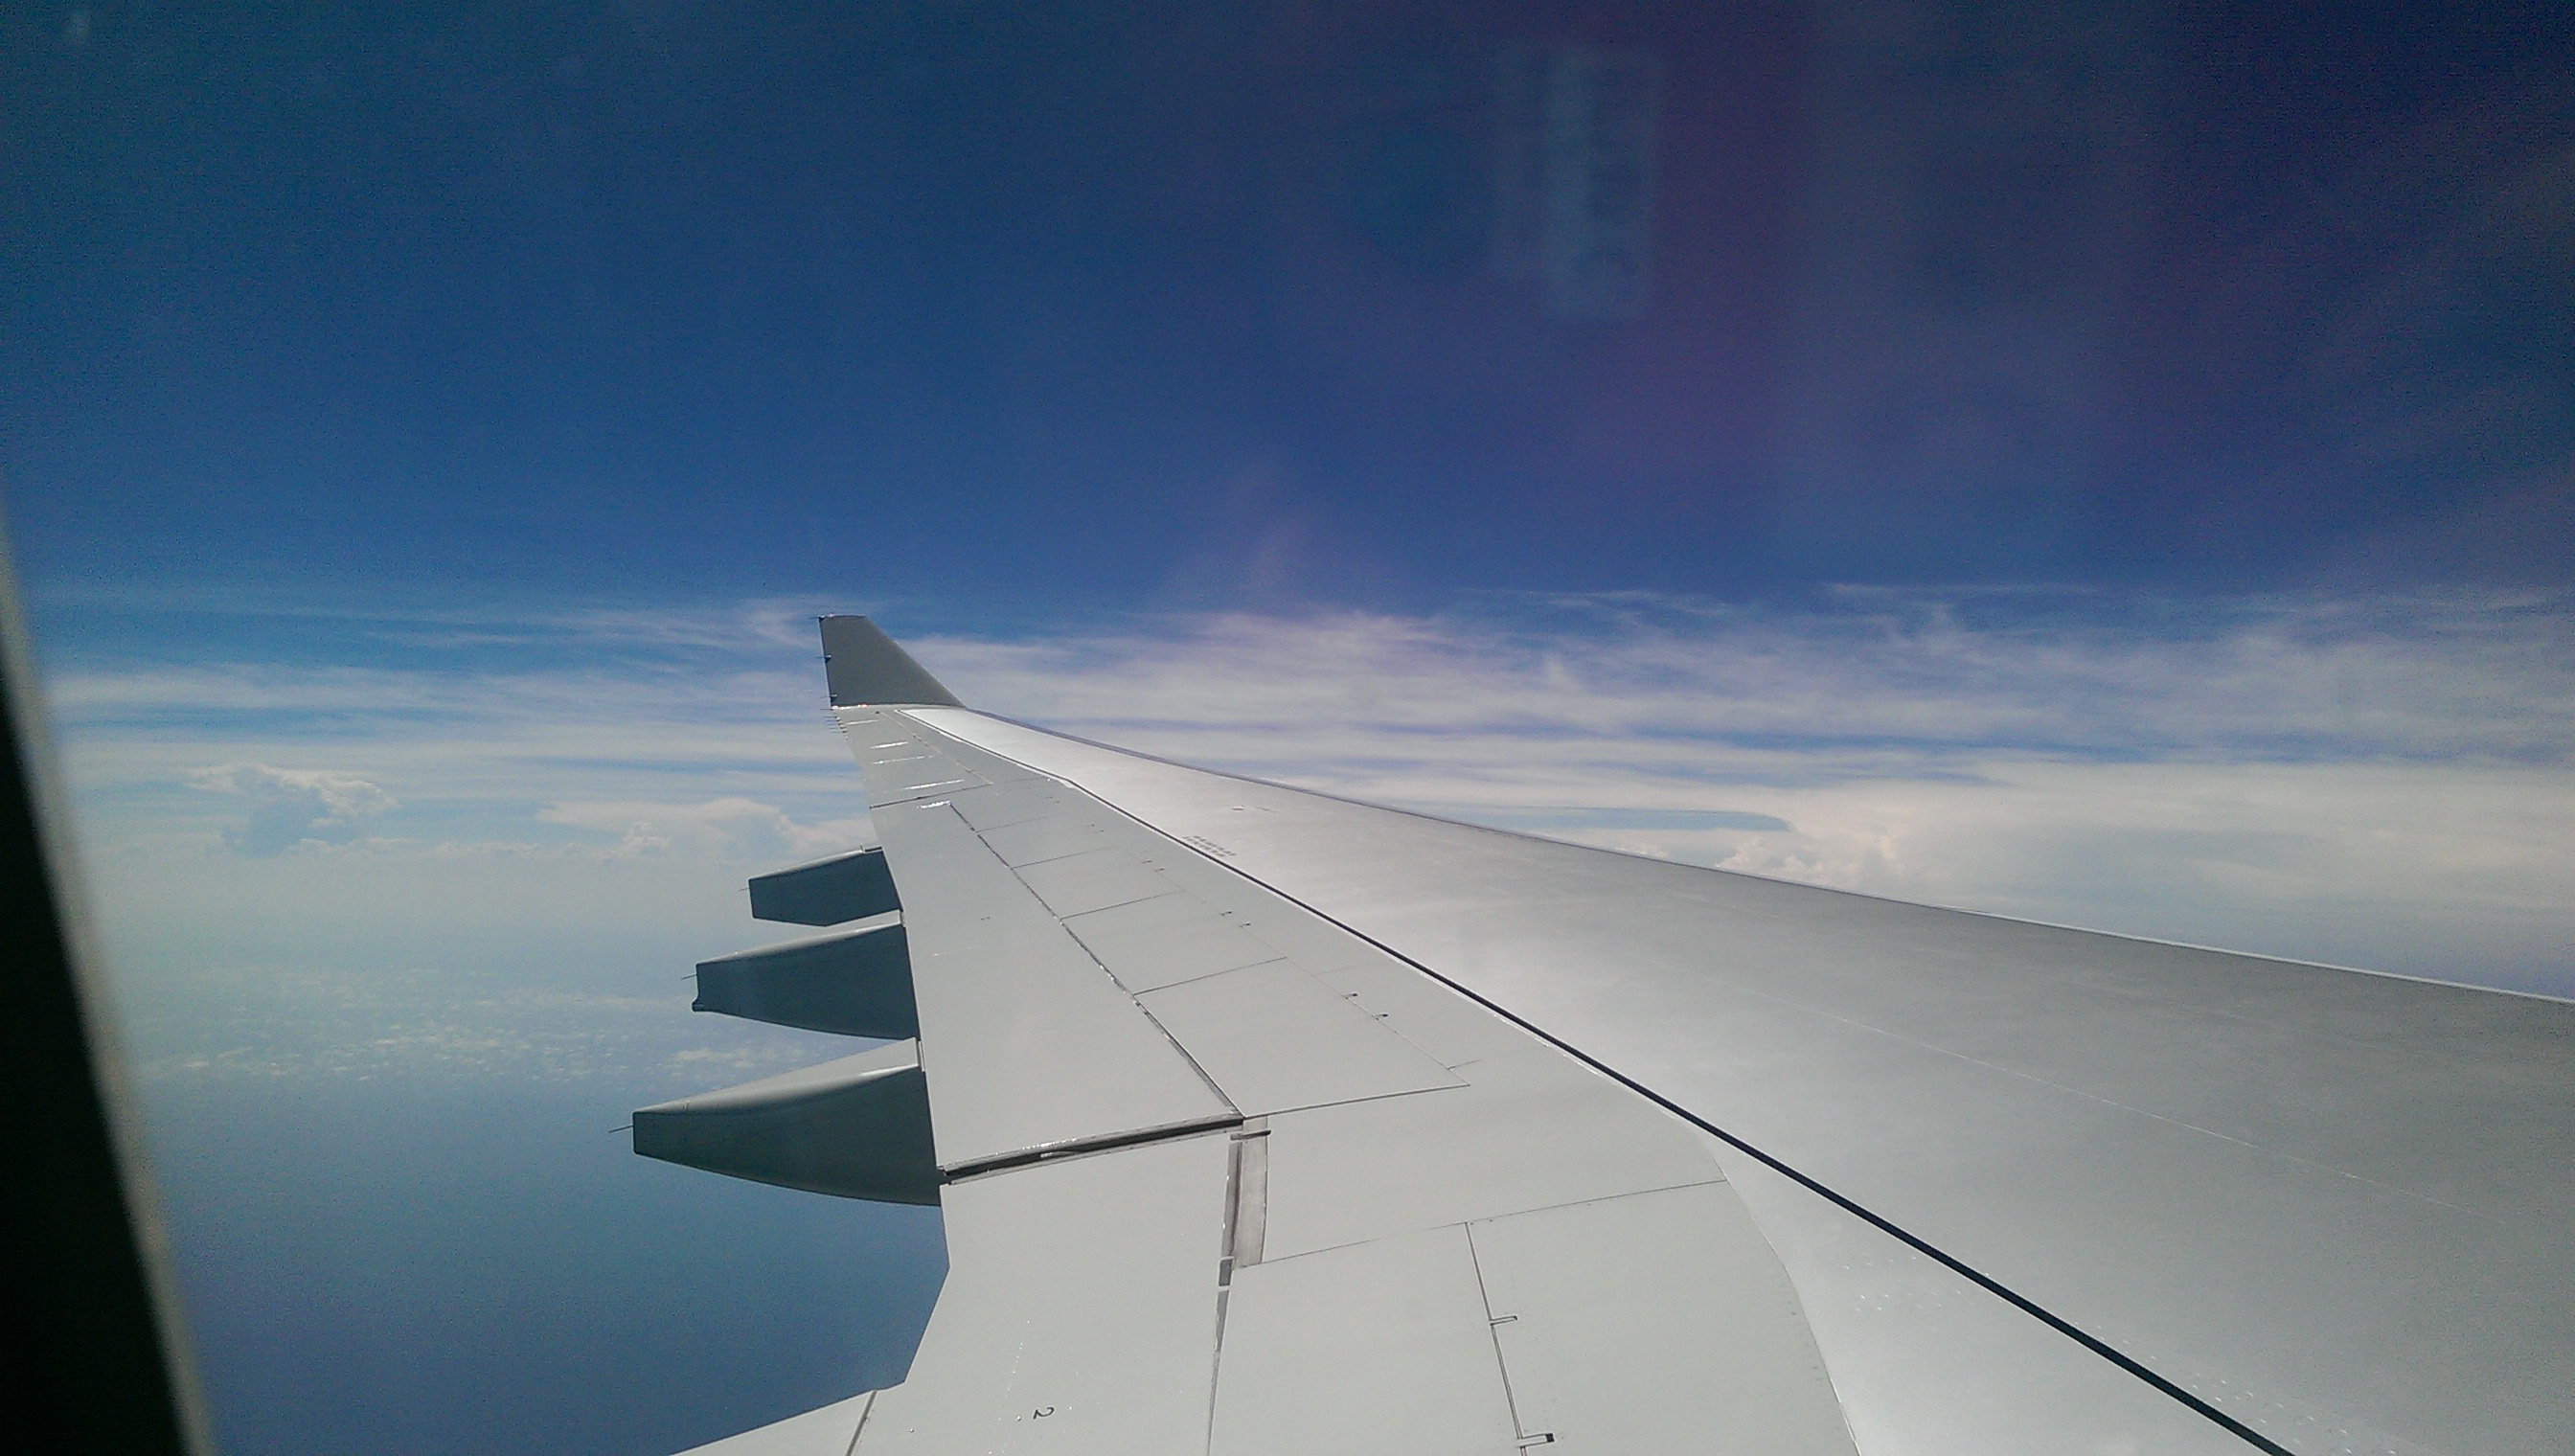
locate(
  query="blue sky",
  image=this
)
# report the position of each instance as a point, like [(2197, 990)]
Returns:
[(1023, 310), (2108, 465)]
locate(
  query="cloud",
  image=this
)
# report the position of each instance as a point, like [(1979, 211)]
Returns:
[(2385, 780), (729, 828), (1862, 679), (293, 807), (270, 1021)]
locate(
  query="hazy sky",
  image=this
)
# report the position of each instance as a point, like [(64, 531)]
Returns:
[(2104, 464)]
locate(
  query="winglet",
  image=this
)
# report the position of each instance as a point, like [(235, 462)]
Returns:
[(864, 668)]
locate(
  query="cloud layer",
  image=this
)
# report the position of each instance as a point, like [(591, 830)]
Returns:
[(2437, 677), (2387, 782)]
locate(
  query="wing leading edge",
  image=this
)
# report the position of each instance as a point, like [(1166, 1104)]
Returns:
[(1265, 1120)]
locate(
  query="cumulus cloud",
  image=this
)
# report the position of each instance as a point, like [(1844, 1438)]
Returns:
[(289, 808)]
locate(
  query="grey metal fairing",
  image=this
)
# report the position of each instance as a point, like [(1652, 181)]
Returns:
[(855, 982), (858, 1127), (2332, 1207)]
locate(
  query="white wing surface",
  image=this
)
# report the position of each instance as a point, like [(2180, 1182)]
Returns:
[(1264, 1121)]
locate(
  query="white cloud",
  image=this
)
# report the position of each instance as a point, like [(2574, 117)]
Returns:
[(725, 828), (2440, 676), (2388, 783), (293, 807)]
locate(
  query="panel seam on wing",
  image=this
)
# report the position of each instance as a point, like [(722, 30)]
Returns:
[(1078, 1147)]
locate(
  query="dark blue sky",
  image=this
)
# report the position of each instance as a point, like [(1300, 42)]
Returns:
[(1020, 311)]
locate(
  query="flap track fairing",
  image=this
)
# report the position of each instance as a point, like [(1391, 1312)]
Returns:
[(858, 1127), (857, 983)]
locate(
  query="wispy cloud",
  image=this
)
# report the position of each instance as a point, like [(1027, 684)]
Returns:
[(2083, 675)]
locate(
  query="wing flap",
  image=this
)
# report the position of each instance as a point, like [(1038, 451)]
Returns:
[(1028, 1044), (1079, 1313), (1378, 1348)]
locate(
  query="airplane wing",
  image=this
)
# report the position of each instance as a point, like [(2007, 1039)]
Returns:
[(1266, 1121)]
